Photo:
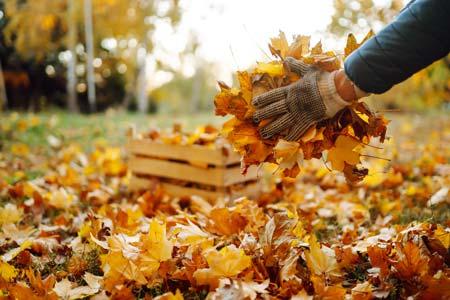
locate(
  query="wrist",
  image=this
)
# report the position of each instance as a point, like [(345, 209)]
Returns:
[(346, 88), (331, 98)]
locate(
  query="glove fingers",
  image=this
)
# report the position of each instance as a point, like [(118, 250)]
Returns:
[(296, 132), (269, 111), (270, 97), (296, 66), (276, 126)]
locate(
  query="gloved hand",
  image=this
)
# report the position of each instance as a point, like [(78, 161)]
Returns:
[(299, 105)]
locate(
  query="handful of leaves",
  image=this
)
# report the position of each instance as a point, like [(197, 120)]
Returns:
[(344, 136)]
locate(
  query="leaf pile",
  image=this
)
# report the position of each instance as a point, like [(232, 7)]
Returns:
[(344, 136), (70, 229), (205, 135)]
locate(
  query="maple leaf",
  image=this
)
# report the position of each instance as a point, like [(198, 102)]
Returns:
[(443, 235), (317, 49), (228, 262), (230, 101), (327, 292), (115, 265), (20, 149), (302, 295), (9, 214), (156, 244), (378, 258), (226, 222), (272, 69), (321, 261), (237, 289), (352, 44), (42, 287), (362, 291), (344, 152), (299, 47), (65, 290), (288, 154), (410, 261), (189, 234), (279, 45), (7, 271)]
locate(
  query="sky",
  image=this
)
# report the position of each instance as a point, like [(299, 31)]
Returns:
[(234, 33)]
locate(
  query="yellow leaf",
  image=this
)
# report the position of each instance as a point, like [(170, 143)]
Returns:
[(7, 272), (228, 262), (20, 149), (156, 243), (443, 235), (280, 44), (317, 49), (299, 47), (343, 152), (321, 261), (171, 296), (190, 234), (114, 264), (273, 69), (362, 291), (351, 45), (10, 214), (288, 154), (14, 252), (60, 198)]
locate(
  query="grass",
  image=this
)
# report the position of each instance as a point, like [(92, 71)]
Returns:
[(86, 129)]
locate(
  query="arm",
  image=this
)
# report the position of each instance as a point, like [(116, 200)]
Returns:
[(419, 36)]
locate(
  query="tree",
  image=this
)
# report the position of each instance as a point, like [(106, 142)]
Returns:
[(44, 28), (359, 15), (72, 102), (89, 36)]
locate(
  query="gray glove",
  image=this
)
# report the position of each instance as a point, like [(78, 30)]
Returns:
[(300, 105)]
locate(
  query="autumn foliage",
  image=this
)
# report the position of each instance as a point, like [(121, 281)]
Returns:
[(344, 136), (70, 229)]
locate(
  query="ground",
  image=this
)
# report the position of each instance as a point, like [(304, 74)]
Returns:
[(71, 229)]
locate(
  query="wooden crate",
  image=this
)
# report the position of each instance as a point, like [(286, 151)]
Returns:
[(189, 170)]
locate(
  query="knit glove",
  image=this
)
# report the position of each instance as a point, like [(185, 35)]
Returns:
[(298, 106)]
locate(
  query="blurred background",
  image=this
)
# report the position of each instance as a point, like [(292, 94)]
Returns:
[(165, 56)]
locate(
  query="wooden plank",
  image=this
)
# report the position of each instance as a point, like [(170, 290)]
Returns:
[(250, 190), (174, 170), (233, 175), (220, 177), (139, 183), (180, 191), (142, 183), (195, 153)]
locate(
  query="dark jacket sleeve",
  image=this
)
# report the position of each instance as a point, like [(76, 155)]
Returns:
[(418, 36)]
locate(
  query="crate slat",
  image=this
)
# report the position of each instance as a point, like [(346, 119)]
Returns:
[(219, 177), (139, 183), (194, 153)]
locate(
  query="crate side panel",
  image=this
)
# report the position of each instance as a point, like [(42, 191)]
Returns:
[(174, 170), (180, 152), (233, 175)]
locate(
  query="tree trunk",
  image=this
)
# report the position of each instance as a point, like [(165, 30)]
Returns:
[(72, 102), (89, 35), (196, 91), (141, 86), (3, 97)]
